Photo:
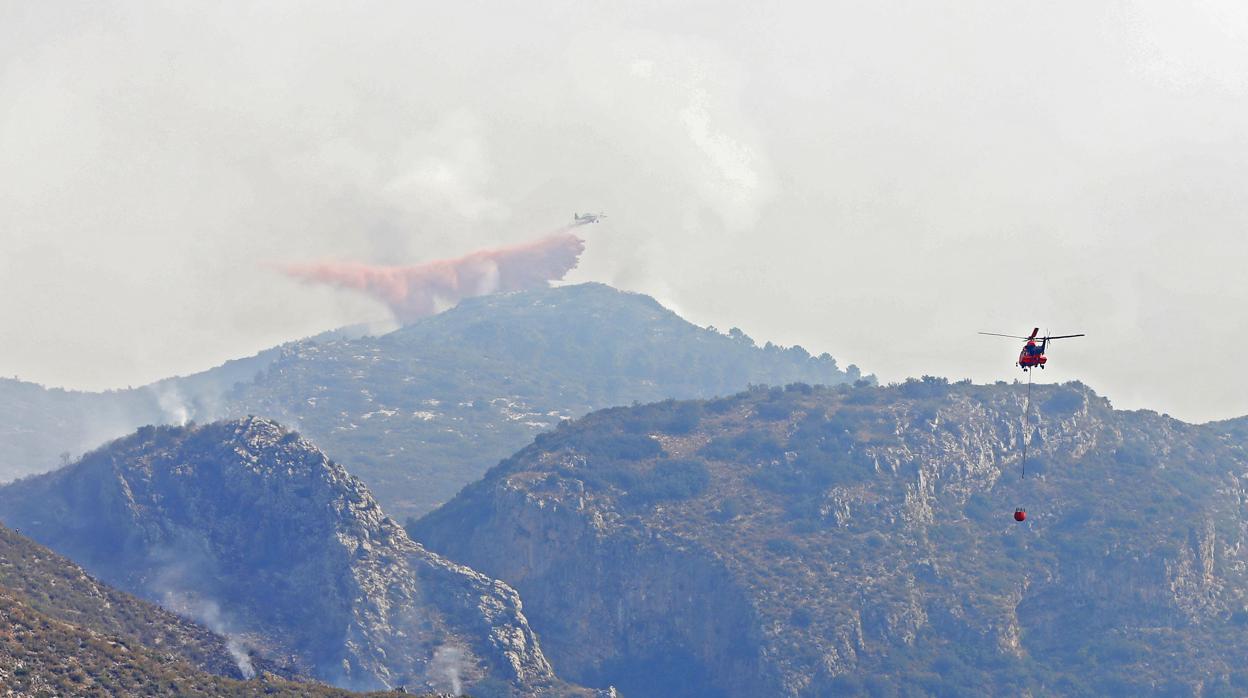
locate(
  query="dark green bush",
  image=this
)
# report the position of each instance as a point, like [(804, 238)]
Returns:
[(775, 410), (801, 617), (728, 510), (605, 446), (672, 479), (683, 419), (753, 445), (925, 387), (782, 546), (1134, 452), (1064, 401)]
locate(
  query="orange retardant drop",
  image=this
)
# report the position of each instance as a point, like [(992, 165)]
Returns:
[(421, 290)]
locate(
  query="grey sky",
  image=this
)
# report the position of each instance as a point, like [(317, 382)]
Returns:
[(876, 180)]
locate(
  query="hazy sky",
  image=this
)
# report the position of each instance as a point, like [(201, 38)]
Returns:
[(878, 180)]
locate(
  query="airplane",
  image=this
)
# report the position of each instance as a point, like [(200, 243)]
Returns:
[(582, 219), (1032, 354)]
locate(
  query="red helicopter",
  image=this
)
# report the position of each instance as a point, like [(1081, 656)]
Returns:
[(1033, 354)]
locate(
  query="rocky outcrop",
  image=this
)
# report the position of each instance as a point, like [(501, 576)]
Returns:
[(861, 540), (250, 524), (643, 598)]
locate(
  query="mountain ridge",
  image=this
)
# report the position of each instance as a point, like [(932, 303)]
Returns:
[(248, 518), (421, 411), (853, 540)]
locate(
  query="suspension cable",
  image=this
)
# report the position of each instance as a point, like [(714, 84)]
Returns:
[(1026, 431)]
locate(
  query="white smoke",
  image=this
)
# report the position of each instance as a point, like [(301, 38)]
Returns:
[(172, 405), (208, 613), (169, 585), (448, 666)]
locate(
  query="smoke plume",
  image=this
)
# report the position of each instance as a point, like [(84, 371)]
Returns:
[(208, 613), (174, 583), (447, 665), (417, 291)]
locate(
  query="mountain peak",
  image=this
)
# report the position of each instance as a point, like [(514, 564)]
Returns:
[(422, 411)]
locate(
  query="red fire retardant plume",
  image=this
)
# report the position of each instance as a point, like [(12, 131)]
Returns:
[(421, 290)]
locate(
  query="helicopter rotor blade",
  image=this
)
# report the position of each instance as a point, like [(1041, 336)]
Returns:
[(1066, 336), (1011, 336)]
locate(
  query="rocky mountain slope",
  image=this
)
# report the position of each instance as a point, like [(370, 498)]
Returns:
[(45, 656), (426, 409), (68, 634), (33, 575), (250, 524), (860, 540)]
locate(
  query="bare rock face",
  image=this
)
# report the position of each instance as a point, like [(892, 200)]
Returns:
[(844, 541), (252, 526)]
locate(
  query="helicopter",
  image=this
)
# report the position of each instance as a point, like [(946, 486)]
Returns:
[(1032, 354), (582, 219)]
